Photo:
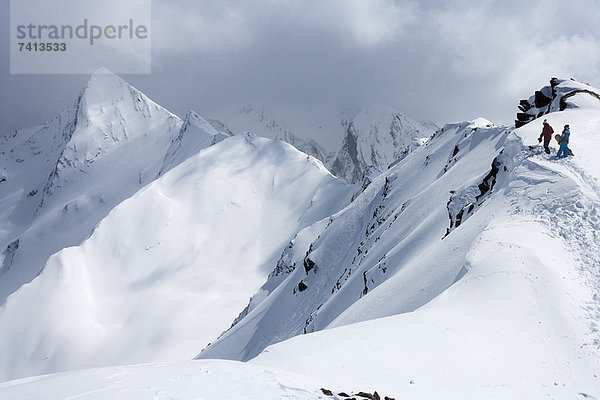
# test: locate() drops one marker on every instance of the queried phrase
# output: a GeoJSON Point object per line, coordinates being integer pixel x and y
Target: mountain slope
{"type": "Point", "coordinates": [395, 228]}
{"type": "Point", "coordinates": [521, 322]}
{"type": "Point", "coordinates": [504, 304]}
{"type": "Point", "coordinates": [168, 268]}
{"type": "Point", "coordinates": [62, 178]}
{"type": "Point", "coordinates": [472, 214]}
{"type": "Point", "coordinates": [376, 137]}
{"type": "Point", "coordinates": [185, 381]}
{"type": "Point", "coordinates": [59, 180]}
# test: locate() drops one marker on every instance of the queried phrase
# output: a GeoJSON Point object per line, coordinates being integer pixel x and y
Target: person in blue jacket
{"type": "Point", "coordinates": [564, 143]}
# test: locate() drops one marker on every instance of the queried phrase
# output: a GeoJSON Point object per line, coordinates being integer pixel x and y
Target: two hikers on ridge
{"type": "Point", "coordinates": [546, 134]}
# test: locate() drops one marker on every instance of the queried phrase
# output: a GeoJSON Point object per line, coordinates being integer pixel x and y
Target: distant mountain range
{"type": "Point", "coordinates": [371, 137]}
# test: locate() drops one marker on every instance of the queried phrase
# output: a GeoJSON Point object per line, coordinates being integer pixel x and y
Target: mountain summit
{"type": "Point", "coordinates": [62, 178]}
{"type": "Point", "coordinates": [123, 223]}
{"type": "Point", "coordinates": [375, 137]}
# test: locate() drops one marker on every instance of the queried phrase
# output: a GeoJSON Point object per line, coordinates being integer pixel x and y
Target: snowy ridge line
{"type": "Point", "coordinates": [67, 135]}
{"type": "Point", "coordinates": [330, 267]}
{"type": "Point", "coordinates": [575, 219]}
{"type": "Point", "coordinates": [519, 320]}
{"type": "Point", "coordinates": [63, 177]}
{"type": "Point", "coordinates": [168, 267]}
{"type": "Point", "coordinates": [195, 134]}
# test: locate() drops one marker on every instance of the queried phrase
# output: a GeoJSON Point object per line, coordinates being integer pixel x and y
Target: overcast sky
{"type": "Point", "coordinates": [443, 61]}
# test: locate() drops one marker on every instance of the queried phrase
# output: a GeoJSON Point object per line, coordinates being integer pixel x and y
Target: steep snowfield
{"type": "Point", "coordinates": [167, 270]}
{"type": "Point", "coordinates": [470, 269]}
{"type": "Point", "coordinates": [62, 178]}
{"type": "Point", "coordinates": [195, 134]}
{"type": "Point", "coordinates": [394, 230]}
{"type": "Point", "coordinates": [522, 319]}
{"type": "Point", "coordinates": [185, 381]}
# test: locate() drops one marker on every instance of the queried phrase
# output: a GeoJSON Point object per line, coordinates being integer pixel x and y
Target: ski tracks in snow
{"type": "Point", "coordinates": [567, 200]}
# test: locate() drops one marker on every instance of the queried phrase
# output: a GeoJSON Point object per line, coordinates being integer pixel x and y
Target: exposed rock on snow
{"type": "Point", "coordinates": [376, 137]}
{"type": "Point", "coordinates": [390, 230]}
{"type": "Point", "coordinates": [560, 95]}
{"type": "Point", "coordinates": [359, 395]}
{"type": "Point", "coordinates": [371, 138]}
{"type": "Point", "coordinates": [195, 134]}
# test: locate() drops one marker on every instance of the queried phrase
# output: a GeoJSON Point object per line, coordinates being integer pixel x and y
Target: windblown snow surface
{"type": "Point", "coordinates": [59, 180]}
{"type": "Point", "coordinates": [503, 305]}
{"type": "Point", "coordinates": [469, 270]}
{"type": "Point", "coordinates": [192, 380]}
{"type": "Point", "coordinates": [143, 269]}
{"type": "Point", "coordinates": [166, 270]}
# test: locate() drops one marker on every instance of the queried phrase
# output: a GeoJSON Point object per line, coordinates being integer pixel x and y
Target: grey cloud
{"type": "Point", "coordinates": [437, 60]}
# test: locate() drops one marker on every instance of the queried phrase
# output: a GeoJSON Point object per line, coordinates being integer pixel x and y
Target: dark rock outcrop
{"type": "Point", "coordinates": [359, 395]}
{"type": "Point", "coordinates": [554, 97]}
{"type": "Point", "coordinates": [302, 286]}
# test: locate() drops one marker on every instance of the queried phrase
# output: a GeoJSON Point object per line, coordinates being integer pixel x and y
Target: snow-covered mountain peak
{"type": "Point", "coordinates": [103, 71]}
{"type": "Point", "coordinates": [107, 97]}
{"type": "Point", "coordinates": [114, 119]}
{"type": "Point", "coordinates": [192, 118]}
{"type": "Point", "coordinates": [72, 170]}
{"type": "Point", "coordinates": [372, 113]}
{"type": "Point", "coordinates": [480, 123]}
{"type": "Point", "coordinates": [195, 134]}
{"type": "Point", "coordinates": [376, 136]}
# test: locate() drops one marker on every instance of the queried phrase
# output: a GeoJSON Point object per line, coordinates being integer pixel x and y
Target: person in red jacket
{"type": "Point", "coordinates": [547, 132]}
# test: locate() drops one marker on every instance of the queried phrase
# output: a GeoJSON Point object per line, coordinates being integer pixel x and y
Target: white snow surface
{"type": "Point", "coordinates": [167, 270]}
{"type": "Point", "coordinates": [505, 306]}
{"type": "Point", "coordinates": [62, 178]}
{"type": "Point", "coordinates": [190, 380]}
{"type": "Point", "coordinates": [470, 269]}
